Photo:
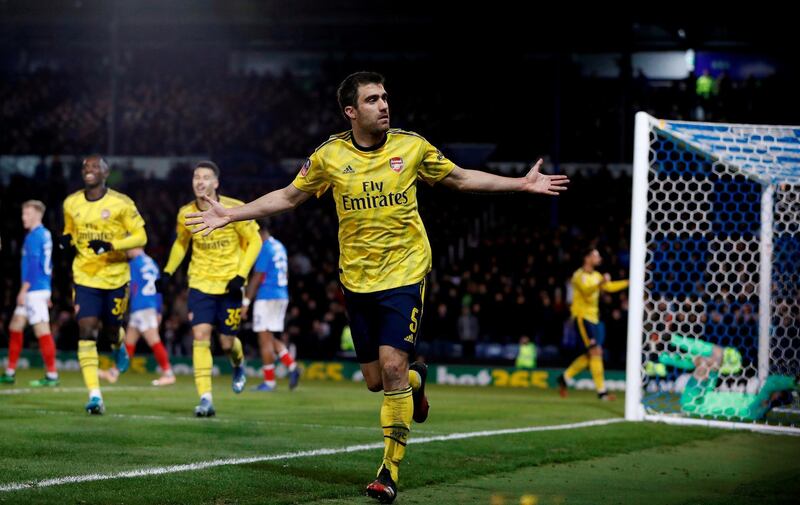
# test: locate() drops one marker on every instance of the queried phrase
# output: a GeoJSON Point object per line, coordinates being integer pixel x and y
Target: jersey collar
{"type": "Point", "coordinates": [96, 200]}
{"type": "Point", "coordinates": [370, 148]}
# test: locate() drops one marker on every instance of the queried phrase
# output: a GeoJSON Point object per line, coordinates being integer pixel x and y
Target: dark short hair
{"type": "Point", "coordinates": [210, 165]}
{"type": "Point", "coordinates": [347, 94]}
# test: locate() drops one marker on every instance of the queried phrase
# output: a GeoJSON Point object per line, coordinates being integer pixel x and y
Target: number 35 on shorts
{"type": "Point", "coordinates": [234, 318]}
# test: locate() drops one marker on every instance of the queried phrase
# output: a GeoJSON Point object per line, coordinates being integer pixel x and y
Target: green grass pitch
{"type": "Point", "coordinates": [44, 434]}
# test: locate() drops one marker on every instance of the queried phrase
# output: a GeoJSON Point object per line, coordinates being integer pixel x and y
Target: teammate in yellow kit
{"type": "Point", "coordinates": [217, 272]}
{"type": "Point", "coordinates": [385, 255]}
{"type": "Point", "coordinates": [587, 283]}
{"type": "Point", "coordinates": [100, 224]}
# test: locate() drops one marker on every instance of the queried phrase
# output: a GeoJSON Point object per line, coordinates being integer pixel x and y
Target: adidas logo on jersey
{"type": "Point", "coordinates": [348, 170]}
{"type": "Point", "coordinates": [409, 339]}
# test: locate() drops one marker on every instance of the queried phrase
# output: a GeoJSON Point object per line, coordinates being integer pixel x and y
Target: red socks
{"type": "Point", "coordinates": [269, 373]}
{"type": "Point", "coordinates": [131, 350]}
{"type": "Point", "coordinates": [162, 358]}
{"type": "Point", "coordinates": [47, 347]}
{"type": "Point", "coordinates": [287, 360]}
{"type": "Point", "coordinates": [14, 349]}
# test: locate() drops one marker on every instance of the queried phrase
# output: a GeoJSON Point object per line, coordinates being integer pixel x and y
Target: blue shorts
{"type": "Point", "coordinates": [223, 311]}
{"type": "Point", "coordinates": [390, 317]}
{"type": "Point", "coordinates": [589, 331]}
{"type": "Point", "coordinates": [108, 305]}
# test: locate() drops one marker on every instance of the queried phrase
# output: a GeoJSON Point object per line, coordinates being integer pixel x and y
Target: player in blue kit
{"type": "Point", "coordinates": [33, 300]}
{"type": "Point", "coordinates": [269, 285]}
{"type": "Point", "coordinates": [145, 315]}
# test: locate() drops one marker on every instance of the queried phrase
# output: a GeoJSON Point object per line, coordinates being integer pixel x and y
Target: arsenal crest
{"type": "Point", "coordinates": [105, 214]}
{"type": "Point", "coordinates": [396, 164]}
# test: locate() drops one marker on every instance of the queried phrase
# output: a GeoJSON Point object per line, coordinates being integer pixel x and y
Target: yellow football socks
{"type": "Point", "coordinates": [203, 365]}
{"type": "Point", "coordinates": [596, 367]}
{"type": "Point", "coordinates": [577, 366]}
{"type": "Point", "coordinates": [414, 379]}
{"type": "Point", "coordinates": [396, 413]}
{"type": "Point", "coordinates": [236, 354]}
{"type": "Point", "coordinates": [87, 357]}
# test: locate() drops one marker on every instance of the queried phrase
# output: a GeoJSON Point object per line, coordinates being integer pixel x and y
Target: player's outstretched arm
{"type": "Point", "coordinates": [613, 286]}
{"type": "Point", "coordinates": [217, 216]}
{"type": "Point", "coordinates": [534, 182]}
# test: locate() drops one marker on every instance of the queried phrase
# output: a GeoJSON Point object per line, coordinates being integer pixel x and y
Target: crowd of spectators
{"type": "Point", "coordinates": [501, 263]}
{"type": "Point", "coordinates": [190, 112]}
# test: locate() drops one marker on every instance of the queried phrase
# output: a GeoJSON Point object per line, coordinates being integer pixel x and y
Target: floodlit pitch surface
{"type": "Point", "coordinates": [321, 444]}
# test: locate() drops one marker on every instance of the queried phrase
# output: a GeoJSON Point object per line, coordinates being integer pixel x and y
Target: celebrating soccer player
{"type": "Point", "coordinates": [587, 283]}
{"type": "Point", "coordinates": [217, 272]}
{"type": "Point", "coordinates": [100, 224]}
{"type": "Point", "coordinates": [384, 250]}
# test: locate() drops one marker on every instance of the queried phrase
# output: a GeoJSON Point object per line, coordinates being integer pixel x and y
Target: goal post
{"type": "Point", "coordinates": [714, 304]}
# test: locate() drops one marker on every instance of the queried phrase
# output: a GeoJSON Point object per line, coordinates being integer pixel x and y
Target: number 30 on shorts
{"type": "Point", "coordinates": [120, 306]}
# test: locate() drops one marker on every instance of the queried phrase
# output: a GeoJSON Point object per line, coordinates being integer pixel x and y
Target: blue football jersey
{"type": "Point", "coordinates": [274, 264]}
{"type": "Point", "coordinates": [37, 259]}
{"type": "Point", "coordinates": [144, 273]}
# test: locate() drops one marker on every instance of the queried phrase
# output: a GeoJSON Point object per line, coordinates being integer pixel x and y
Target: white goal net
{"type": "Point", "coordinates": [714, 316]}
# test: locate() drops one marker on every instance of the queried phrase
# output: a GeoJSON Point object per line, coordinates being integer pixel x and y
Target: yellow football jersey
{"type": "Point", "coordinates": [113, 218]}
{"type": "Point", "coordinates": [382, 240]}
{"type": "Point", "coordinates": [586, 294]}
{"type": "Point", "coordinates": [219, 257]}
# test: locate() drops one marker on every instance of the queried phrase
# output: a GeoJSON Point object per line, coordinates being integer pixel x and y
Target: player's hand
{"type": "Point", "coordinates": [244, 312]}
{"type": "Point", "coordinates": [100, 246]}
{"type": "Point", "coordinates": [162, 283]}
{"type": "Point", "coordinates": [65, 244]}
{"type": "Point", "coordinates": [235, 286]}
{"type": "Point", "coordinates": [49, 303]}
{"type": "Point", "coordinates": [537, 182]}
{"type": "Point", "coordinates": [216, 216]}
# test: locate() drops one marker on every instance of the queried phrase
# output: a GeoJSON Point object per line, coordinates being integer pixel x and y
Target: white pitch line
{"type": "Point", "coordinates": [21, 391]}
{"type": "Point", "coordinates": [161, 470]}
{"type": "Point", "coordinates": [514, 431]}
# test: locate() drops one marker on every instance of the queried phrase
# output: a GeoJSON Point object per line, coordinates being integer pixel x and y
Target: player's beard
{"type": "Point", "coordinates": [378, 129]}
